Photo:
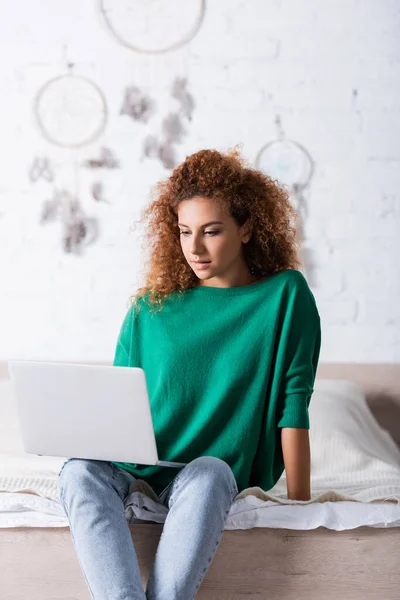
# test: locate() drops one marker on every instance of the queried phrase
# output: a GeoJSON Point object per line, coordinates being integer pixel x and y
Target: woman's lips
{"type": "Point", "coordinates": [201, 265]}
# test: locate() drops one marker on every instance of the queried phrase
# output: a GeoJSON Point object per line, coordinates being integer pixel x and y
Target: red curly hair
{"type": "Point", "coordinates": [248, 193]}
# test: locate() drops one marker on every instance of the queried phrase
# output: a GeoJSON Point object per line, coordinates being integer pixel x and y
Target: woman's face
{"type": "Point", "coordinates": [218, 243]}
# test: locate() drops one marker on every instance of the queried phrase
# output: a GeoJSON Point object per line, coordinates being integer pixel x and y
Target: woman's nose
{"type": "Point", "coordinates": [196, 248]}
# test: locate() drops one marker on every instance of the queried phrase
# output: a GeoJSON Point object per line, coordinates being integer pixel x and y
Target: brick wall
{"type": "Point", "coordinates": [331, 71]}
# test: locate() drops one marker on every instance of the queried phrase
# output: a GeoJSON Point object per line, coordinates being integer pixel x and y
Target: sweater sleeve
{"type": "Point", "coordinates": [303, 335]}
{"type": "Point", "coordinates": [123, 350]}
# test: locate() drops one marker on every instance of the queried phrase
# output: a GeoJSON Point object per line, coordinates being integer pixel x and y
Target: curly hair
{"type": "Point", "coordinates": [247, 192]}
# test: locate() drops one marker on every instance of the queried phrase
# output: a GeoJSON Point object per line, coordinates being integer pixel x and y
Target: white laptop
{"type": "Point", "coordinates": [85, 411]}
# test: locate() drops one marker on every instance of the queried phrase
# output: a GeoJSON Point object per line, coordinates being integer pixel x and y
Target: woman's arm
{"type": "Point", "coordinates": [297, 459]}
{"type": "Point", "coordinates": [123, 350]}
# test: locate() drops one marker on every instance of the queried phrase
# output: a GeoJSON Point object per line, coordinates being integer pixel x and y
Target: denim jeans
{"type": "Point", "coordinates": [199, 498]}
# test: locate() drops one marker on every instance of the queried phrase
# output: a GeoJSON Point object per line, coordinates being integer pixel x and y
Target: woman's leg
{"type": "Point", "coordinates": [199, 500]}
{"type": "Point", "coordinates": [93, 493]}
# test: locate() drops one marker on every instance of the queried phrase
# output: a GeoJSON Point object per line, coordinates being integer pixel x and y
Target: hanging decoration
{"type": "Point", "coordinates": [186, 101]}
{"type": "Point", "coordinates": [107, 160]}
{"type": "Point", "coordinates": [292, 165]}
{"type": "Point", "coordinates": [98, 192]}
{"type": "Point", "coordinates": [152, 27]}
{"type": "Point", "coordinates": [71, 112]}
{"type": "Point", "coordinates": [77, 228]}
{"type": "Point", "coordinates": [137, 105]}
{"type": "Point", "coordinates": [288, 162]}
{"type": "Point", "coordinates": [173, 128]}
{"type": "Point", "coordinates": [41, 169]}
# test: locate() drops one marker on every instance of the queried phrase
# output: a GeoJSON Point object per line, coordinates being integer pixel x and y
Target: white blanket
{"type": "Point", "coordinates": [353, 461]}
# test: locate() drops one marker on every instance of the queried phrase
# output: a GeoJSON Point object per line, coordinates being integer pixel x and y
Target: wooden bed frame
{"type": "Point", "coordinates": [264, 563]}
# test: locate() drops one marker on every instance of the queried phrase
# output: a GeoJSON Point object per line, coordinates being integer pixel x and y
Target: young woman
{"type": "Point", "coordinates": [228, 334]}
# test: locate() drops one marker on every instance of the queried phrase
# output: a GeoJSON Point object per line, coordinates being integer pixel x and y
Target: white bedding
{"type": "Point", "coordinates": [355, 474]}
{"type": "Point", "coordinates": [28, 510]}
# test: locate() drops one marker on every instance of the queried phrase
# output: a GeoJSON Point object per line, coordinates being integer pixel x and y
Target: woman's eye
{"type": "Point", "coordinates": [209, 232]}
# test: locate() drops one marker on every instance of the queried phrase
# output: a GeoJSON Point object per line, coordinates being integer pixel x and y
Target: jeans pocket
{"type": "Point", "coordinates": [122, 480]}
{"type": "Point", "coordinates": [235, 491]}
{"type": "Point", "coordinates": [164, 492]}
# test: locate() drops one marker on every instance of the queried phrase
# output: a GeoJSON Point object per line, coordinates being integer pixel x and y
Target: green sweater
{"type": "Point", "coordinates": [226, 368]}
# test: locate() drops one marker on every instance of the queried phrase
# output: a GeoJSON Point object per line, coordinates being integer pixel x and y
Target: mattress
{"type": "Point", "coordinates": [355, 474]}
{"type": "Point", "coordinates": [29, 510]}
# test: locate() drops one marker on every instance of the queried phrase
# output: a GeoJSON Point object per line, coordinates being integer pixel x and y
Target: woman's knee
{"type": "Point", "coordinates": [80, 469]}
{"type": "Point", "coordinates": [215, 469]}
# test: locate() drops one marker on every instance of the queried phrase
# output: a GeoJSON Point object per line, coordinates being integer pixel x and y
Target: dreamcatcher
{"type": "Point", "coordinates": [153, 26]}
{"type": "Point", "coordinates": [173, 127]}
{"type": "Point", "coordinates": [291, 164]}
{"type": "Point", "coordinates": [71, 112]}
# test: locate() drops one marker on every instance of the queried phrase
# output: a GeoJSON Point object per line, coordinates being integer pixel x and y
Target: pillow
{"type": "Point", "coordinates": [352, 457]}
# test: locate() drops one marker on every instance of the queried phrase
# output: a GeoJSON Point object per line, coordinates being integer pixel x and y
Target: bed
{"type": "Point", "coordinates": [344, 543]}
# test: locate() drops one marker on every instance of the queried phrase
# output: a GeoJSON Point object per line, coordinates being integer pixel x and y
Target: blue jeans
{"type": "Point", "coordinates": [199, 498]}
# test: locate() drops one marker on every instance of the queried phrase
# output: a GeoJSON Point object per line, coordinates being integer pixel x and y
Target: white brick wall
{"type": "Point", "coordinates": [249, 62]}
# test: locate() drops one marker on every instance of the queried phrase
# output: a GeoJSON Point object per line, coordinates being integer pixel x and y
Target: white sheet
{"type": "Point", "coordinates": [28, 510]}
{"type": "Point", "coordinates": [355, 474]}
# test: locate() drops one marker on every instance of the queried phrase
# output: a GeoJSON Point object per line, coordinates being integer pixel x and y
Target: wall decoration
{"type": "Point", "coordinates": [51, 208]}
{"type": "Point", "coordinates": [78, 230]}
{"type": "Point", "coordinates": [41, 169]}
{"type": "Point", "coordinates": [163, 151]}
{"type": "Point", "coordinates": [150, 147]}
{"type": "Point", "coordinates": [288, 162]}
{"type": "Point", "coordinates": [173, 129]}
{"type": "Point", "coordinates": [180, 92]}
{"type": "Point", "coordinates": [98, 192]}
{"type": "Point", "coordinates": [107, 160]}
{"type": "Point", "coordinates": [152, 27]}
{"type": "Point", "coordinates": [291, 164]}
{"type": "Point", "coordinates": [71, 112]}
{"type": "Point", "coordinates": [137, 105]}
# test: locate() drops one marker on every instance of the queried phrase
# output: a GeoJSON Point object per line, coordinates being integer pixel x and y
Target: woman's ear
{"type": "Point", "coordinates": [247, 231]}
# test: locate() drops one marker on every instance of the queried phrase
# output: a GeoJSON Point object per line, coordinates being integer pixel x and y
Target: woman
{"type": "Point", "coordinates": [228, 334]}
